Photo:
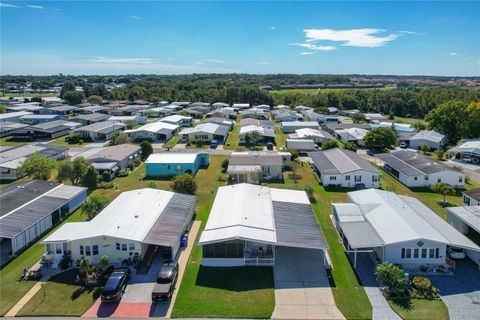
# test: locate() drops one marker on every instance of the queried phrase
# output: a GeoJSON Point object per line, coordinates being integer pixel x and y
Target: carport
{"type": "Point", "coordinates": [172, 224]}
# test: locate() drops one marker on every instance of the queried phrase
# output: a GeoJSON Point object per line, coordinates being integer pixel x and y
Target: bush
{"type": "Point", "coordinates": [351, 146]}
{"type": "Point", "coordinates": [123, 173]}
{"type": "Point", "coordinates": [329, 144]}
{"type": "Point", "coordinates": [423, 288]}
{"type": "Point", "coordinates": [310, 194]}
{"type": "Point", "coordinates": [74, 138]}
{"type": "Point", "coordinates": [137, 162]}
{"type": "Point", "coordinates": [66, 262]}
{"type": "Point", "coordinates": [131, 166]}
{"type": "Point", "coordinates": [184, 184]}
{"type": "Point", "coordinates": [225, 163]}
{"type": "Point", "coordinates": [106, 176]}
{"type": "Point", "coordinates": [105, 185]}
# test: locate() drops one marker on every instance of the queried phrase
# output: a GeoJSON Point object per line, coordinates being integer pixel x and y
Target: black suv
{"type": "Point", "coordinates": [115, 285]}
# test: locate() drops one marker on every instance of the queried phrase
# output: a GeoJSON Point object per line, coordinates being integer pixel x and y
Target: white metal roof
{"type": "Point", "coordinates": [170, 157]}
{"type": "Point", "coordinates": [13, 114]}
{"type": "Point", "coordinates": [175, 118]}
{"type": "Point", "coordinates": [429, 135]}
{"type": "Point", "coordinates": [244, 211]}
{"type": "Point", "coordinates": [154, 127]}
{"type": "Point", "coordinates": [130, 216]}
{"type": "Point", "coordinates": [469, 215]}
{"type": "Point", "coordinates": [356, 133]}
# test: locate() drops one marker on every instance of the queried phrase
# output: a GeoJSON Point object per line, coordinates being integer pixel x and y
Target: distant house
{"type": "Point", "coordinates": [248, 224]}
{"type": "Point", "coordinates": [128, 110]}
{"type": "Point", "coordinates": [284, 115]}
{"type": "Point", "coordinates": [318, 136]}
{"type": "Point", "coordinates": [136, 119]}
{"type": "Point", "coordinates": [50, 130]}
{"type": "Point", "coordinates": [113, 158]}
{"type": "Point", "coordinates": [63, 111]}
{"type": "Point", "coordinates": [94, 109]}
{"type": "Point", "coordinates": [398, 229]}
{"type": "Point", "coordinates": [30, 209]}
{"type": "Point", "coordinates": [205, 132]}
{"type": "Point", "coordinates": [99, 131]}
{"type": "Point", "coordinates": [398, 127]}
{"type": "Point", "coordinates": [135, 224]}
{"type": "Point", "coordinates": [154, 131]}
{"type": "Point", "coordinates": [355, 135]}
{"type": "Point", "coordinates": [182, 104]}
{"type": "Point", "coordinates": [471, 197]}
{"type": "Point", "coordinates": [266, 134]}
{"type": "Point", "coordinates": [218, 105]}
{"type": "Point", "coordinates": [156, 112]}
{"type": "Point", "coordinates": [417, 170]}
{"type": "Point", "coordinates": [320, 118]}
{"type": "Point", "coordinates": [468, 151]}
{"type": "Point", "coordinates": [332, 127]}
{"type": "Point", "coordinates": [430, 138]}
{"type": "Point", "coordinates": [34, 107]}
{"type": "Point", "coordinates": [348, 113]}
{"type": "Point", "coordinates": [301, 145]}
{"type": "Point", "coordinates": [38, 118]}
{"type": "Point", "coordinates": [340, 167]}
{"type": "Point", "coordinates": [241, 106]}
{"type": "Point", "coordinates": [220, 121]}
{"type": "Point", "coordinates": [291, 126]}
{"type": "Point", "coordinates": [375, 117]}
{"type": "Point", "coordinates": [254, 167]}
{"type": "Point", "coordinates": [303, 109]}
{"type": "Point", "coordinates": [227, 112]}
{"type": "Point", "coordinates": [91, 118]}
{"type": "Point", "coordinates": [12, 158]}
{"type": "Point", "coordinates": [178, 120]}
{"type": "Point", "coordinates": [169, 164]}
{"type": "Point", "coordinates": [7, 128]}
{"type": "Point", "coordinates": [255, 113]}
{"type": "Point", "coordinates": [262, 123]}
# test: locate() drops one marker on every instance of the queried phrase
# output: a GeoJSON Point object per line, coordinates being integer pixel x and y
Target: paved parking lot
{"type": "Point", "coordinates": [302, 289]}
{"type": "Point", "coordinates": [461, 292]}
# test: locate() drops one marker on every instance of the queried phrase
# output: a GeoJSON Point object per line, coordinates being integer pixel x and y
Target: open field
{"type": "Point", "coordinates": [409, 120]}
{"type": "Point", "coordinates": [60, 142]}
{"type": "Point", "coordinates": [418, 309]}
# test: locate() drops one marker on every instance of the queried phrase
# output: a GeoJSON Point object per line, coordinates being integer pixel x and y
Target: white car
{"type": "Point", "coordinates": [456, 253]}
{"type": "Point", "coordinates": [403, 145]}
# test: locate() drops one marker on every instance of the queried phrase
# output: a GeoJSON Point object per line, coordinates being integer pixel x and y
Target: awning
{"type": "Point", "coordinates": [244, 169]}
{"type": "Point", "coordinates": [361, 235]}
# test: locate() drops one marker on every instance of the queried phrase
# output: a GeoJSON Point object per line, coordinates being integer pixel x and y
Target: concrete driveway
{"type": "Point", "coordinates": [302, 289]}
{"type": "Point", "coordinates": [461, 292]}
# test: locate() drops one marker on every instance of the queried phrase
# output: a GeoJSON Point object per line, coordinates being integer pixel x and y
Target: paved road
{"type": "Point", "coordinates": [461, 292]}
{"type": "Point", "coordinates": [302, 289]}
{"type": "Point", "coordinates": [381, 310]}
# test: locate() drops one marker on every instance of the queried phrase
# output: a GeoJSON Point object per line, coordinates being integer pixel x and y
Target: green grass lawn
{"type": "Point", "coordinates": [418, 309]}
{"type": "Point", "coordinates": [349, 295]}
{"type": "Point", "coordinates": [289, 91]}
{"type": "Point", "coordinates": [61, 296]}
{"type": "Point", "coordinates": [280, 138]}
{"type": "Point", "coordinates": [221, 292]}
{"type": "Point", "coordinates": [27, 95]}
{"type": "Point", "coordinates": [5, 142]}
{"type": "Point", "coordinates": [172, 142]}
{"type": "Point", "coordinates": [60, 142]}
{"type": "Point", "coordinates": [409, 120]}
{"type": "Point", "coordinates": [233, 139]}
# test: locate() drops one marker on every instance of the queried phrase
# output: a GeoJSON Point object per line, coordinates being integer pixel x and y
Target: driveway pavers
{"type": "Point", "coordinates": [302, 289]}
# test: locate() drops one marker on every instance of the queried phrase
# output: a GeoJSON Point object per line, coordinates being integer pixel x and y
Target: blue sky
{"type": "Point", "coordinates": [117, 37]}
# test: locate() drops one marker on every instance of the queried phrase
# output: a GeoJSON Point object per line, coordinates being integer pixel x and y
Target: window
{"type": "Point", "coordinates": [437, 252]}
{"type": "Point", "coordinates": [179, 168]}
{"type": "Point", "coordinates": [466, 200]}
{"type": "Point", "coordinates": [415, 178]}
{"type": "Point", "coordinates": [58, 248]}
{"type": "Point", "coordinates": [347, 178]}
{"type": "Point", "coordinates": [333, 178]}
{"type": "Point", "coordinates": [460, 179]}
{"type": "Point", "coordinates": [131, 246]}
{"type": "Point", "coordinates": [431, 253]}
{"type": "Point", "coordinates": [49, 248]}
{"type": "Point", "coordinates": [409, 253]}
{"type": "Point", "coordinates": [88, 252]}
{"type": "Point", "coordinates": [81, 251]}
{"type": "Point", "coordinates": [439, 180]}
{"type": "Point", "coordinates": [124, 247]}
{"type": "Point", "coordinates": [426, 178]}
{"type": "Point", "coordinates": [415, 253]}
{"type": "Point", "coordinates": [95, 249]}
{"type": "Point", "coordinates": [424, 253]}
{"type": "Point", "coordinates": [374, 178]}
{"type": "Point", "coordinates": [403, 253]}
{"type": "Point", "coordinates": [117, 245]}
{"type": "Point", "coordinates": [358, 178]}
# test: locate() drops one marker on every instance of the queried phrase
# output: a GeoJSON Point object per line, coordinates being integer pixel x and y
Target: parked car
{"type": "Point", "coordinates": [116, 284]}
{"type": "Point", "coordinates": [403, 144]}
{"type": "Point", "coordinates": [370, 153]}
{"type": "Point", "coordinates": [166, 279]}
{"type": "Point", "coordinates": [214, 144]}
{"type": "Point", "coordinates": [456, 253]}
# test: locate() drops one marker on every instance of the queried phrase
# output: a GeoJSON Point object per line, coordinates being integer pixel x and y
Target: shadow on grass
{"type": "Point", "coordinates": [236, 278]}
{"type": "Point", "coordinates": [405, 304]}
{"type": "Point", "coordinates": [69, 277]}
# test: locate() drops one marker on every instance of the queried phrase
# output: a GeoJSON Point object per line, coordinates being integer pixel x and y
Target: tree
{"type": "Point", "coordinates": [351, 146]}
{"type": "Point", "coordinates": [68, 86]}
{"type": "Point", "coordinates": [73, 170]}
{"type": "Point", "coordinates": [2, 108]}
{"type": "Point", "coordinates": [225, 164]}
{"type": "Point", "coordinates": [129, 124]}
{"type": "Point", "coordinates": [37, 167]}
{"type": "Point", "coordinates": [84, 267]}
{"type": "Point", "coordinates": [74, 97]}
{"type": "Point", "coordinates": [391, 277]}
{"type": "Point", "coordinates": [450, 118]}
{"type": "Point", "coordinates": [358, 117]}
{"type": "Point", "coordinates": [92, 206]}
{"type": "Point", "coordinates": [419, 126]}
{"type": "Point", "coordinates": [380, 139]}
{"type": "Point", "coordinates": [443, 189]}
{"type": "Point", "coordinates": [119, 138]}
{"type": "Point", "coordinates": [65, 170]}
{"type": "Point", "coordinates": [473, 110]}
{"type": "Point", "coordinates": [424, 148]}
{"type": "Point", "coordinates": [253, 137]}
{"type": "Point", "coordinates": [329, 144]}
{"type": "Point", "coordinates": [90, 178]}
{"type": "Point", "coordinates": [146, 148]}
{"type": "Point", "coordinates": [184, 184]}
{"type": "Point", "coordinates": [440, 154]}
{"type": "Point", "coordinates": [105, 262]}
{"type": "Point", "coordinates": [152, 185]}
{"type": "Point", "coordinates": [95, 99]}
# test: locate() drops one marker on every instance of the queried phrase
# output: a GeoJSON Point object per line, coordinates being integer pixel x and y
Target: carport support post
{"type": "Point", "coordinates": [355, 258]}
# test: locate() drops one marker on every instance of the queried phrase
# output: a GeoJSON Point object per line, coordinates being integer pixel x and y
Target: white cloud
{"type": "Point", "coordinates": [215, 61]}
{"type": "Point", "coordinates": [264, 63]}
{"type": "Point", "coordinates": [353, 37]}
{"type": "Point", "coordinates": [306, 53]}
{"type": "Point", "coordinates": [34, 6]}
{"type": "Point", "coordinates": [136, 17]}
{"type": "Point", "coordinates": [315, 47]}
{"type": "Point", "coordinates": [7, 5]}
{"type": "Point", "coordinates": [454, 54]}
{"type": "Point", "coordinates": [272, 27]}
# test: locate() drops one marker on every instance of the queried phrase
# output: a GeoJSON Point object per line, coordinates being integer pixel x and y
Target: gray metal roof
{"type": "Point", "coordinates": [296, 226]}
{"type": "Point", "coordinates": [256, 159]}
{"type": "Point", "coordinates": [63, 108]}
{"type": "Point", "coordinates": [337, 161]}
{"type": "Point", "coordinates": [469, 215]}
{"type": "Point", "coordinates": [474, 194]}
{"type": "Point", "coordinates": [360, 234]}
{"type": "Point", "coordinates": [336, 126]}
{"type": "Point", "coordinates": [23, 205]}
{"type": "Point", "coordinates": [412, 163]}
{"type": "Point", "coordinates": [102, 127]}
{"type": "Point", "coordinates": [166, 231]}
{"type": "Point", "coordinates": [55, 126]}
{"type": "Point", "coordinates": [93, 117]}
{"type": "Point", "coordinates": [429, 135]}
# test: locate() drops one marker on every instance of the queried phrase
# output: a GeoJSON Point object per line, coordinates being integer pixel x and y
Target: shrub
{"type": "Point", "coordinates": [225, 163]}
{"type": "Point", "coordinates": [184, 184]}
{"type": "Point", "coordinates": [106, 176]}
{"type": "Point", "coordinates": [423, 288]}
{"type": "Point", "coordinates": [74, 138]}
{"type": "Point", "coordinates": [105, 185]}
{"type": "Point", "coordinates": [137, 162]}
{"type": "Point", "coordinates": [351, 146]}
{"type": "Point", "coordinates": [309, 190]}
{"type": "Point", "coordinates": [122, 173]}
{"type": "Point", "coordinates": [66, 262]}
{"type": "Point", "coordinates": [329, 144]}
{"type": "Point", "coordinates": [131, 166]}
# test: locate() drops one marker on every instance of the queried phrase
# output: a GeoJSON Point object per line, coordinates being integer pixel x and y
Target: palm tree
{"type": "Point", "coordinates": [104, 262]}
{"type": "Point", "coordinates": [391, 276]}
{"type": "Point", "coordinates": [84, 267]}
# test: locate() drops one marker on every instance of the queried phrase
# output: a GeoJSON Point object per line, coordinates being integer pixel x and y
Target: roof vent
{"type": "Point", "coordinates": [118, 227]}
{"type": "Point", "coordinates": [136, 216]}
